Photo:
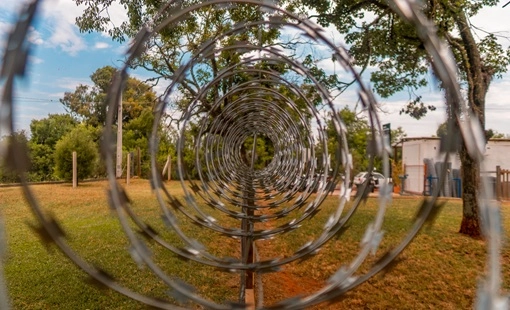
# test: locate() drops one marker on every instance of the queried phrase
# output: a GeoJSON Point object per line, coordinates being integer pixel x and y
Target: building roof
{"type": "Point", "coordinates": [407, 139]}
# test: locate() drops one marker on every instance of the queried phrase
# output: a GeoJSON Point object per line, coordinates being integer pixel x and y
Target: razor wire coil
{"type": "Point", "coordinates": [290, 187]}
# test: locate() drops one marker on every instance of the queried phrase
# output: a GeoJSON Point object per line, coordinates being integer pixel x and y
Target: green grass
{"type": "Point", "coordinates": [38, 278]}
{"type": "Point", "coordinates": [439, 270]}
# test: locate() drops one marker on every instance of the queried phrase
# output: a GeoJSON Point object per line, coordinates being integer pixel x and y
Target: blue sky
{"type": "Point", "coordinates": [63, 58]}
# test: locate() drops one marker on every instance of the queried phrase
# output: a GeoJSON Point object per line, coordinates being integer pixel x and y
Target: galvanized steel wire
{"type": "Point", "coordinates": [291, 186]}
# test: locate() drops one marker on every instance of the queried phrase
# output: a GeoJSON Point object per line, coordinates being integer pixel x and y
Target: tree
{"type": "Point", "coordinates": [138, 99]}
{"type": "Point", "coordinates": [44, 136]}
{"type": "Point", "coordinates": [493, 134]}
{"type": "Point", "coordinates": [170, 47]}
{"type": "Point", "coordinates": [397, 135]}
{"type": "Point", "coordinates": [358, 133]}
{"type": "Point", "coordinates": [177, 43]}
{"type": "Point", "coordinates": [87, 103]}
{"type": "Point", "coordinates": [442, 131]}
{"type": "Point", "coordinates": [136, 134]}
{"type": "Point", "coordinates": [78, 140]}
{"type": "Point", "coordinates": [385, 41]}
{"type": "Point", "coordinates": [264, 151]}
{"type": "Point", "coordinates": [18, 148]}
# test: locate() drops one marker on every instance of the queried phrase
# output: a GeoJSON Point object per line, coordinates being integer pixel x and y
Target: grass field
{"type": "Point", "coordinates": [440, 270]}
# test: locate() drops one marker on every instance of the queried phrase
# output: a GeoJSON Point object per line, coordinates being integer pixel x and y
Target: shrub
{"type": "Point", "coordinates": [79, 140]}
{"type": "Point", "coordinates": [396, 171]}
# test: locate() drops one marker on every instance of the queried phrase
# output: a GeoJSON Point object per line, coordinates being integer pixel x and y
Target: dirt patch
{"type": "Point", "coordinates": [282, 285]}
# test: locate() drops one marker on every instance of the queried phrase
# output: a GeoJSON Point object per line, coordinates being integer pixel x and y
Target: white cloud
{"type": "Point", "coordinates": [493, 19]}
{"type": "Point", "coordinates": [101, 45]}
{"type": "Point", "coordinates": [51, 82]}
{"type": "Point", "coordinates": [27, 112]}
{"type": "Point", "coordinates": [117, 14]}
{"type": "Point", "coordinates": [10, 5]}
{"type": "Point", "coordinates": [497, 109]}
{"type": "Point", "coordinates": [61, 16]}
{"type": "Point", "coordinates": [4, 28]}
{"type": "Point", "coordinates": [68, 83]}
{"type": "Point", "coordinates": [65, 37]}
{"type": "Point", "coordinates": [499, 91]}
{"type": "Point", "coordinates": [34, 37]}
{"type": "Point", "coordinates": [35, 60]}
{"type": "Point", "coordinates": [58, 18]}
{"type": "Point", "coordinates": [65, 11]}
{"type": "Point", "coordinates": [55, 17]}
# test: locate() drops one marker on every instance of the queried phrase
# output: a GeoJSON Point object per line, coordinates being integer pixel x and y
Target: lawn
{"type": "Point", "coordinates": [439, 270]}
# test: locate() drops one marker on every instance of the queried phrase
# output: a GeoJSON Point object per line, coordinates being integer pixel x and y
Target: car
{"type": "Point", "coordinates": [376, 179]}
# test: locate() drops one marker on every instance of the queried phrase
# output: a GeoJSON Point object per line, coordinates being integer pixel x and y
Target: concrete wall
{"type": "Point", "coordinates": [497, 153]}
{"type": "Point", "coordinates": [415, 150]}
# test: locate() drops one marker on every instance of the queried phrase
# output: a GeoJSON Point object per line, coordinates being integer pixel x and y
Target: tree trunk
{"type": "Point", "coordinates": [478, 83]}
{"type": "Point", "coordinates": [470, 175]}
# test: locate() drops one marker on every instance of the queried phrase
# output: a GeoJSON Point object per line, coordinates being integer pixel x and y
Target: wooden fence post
{"type": "Point", "coordinates": [498, 183]}
{"type": "Point", "coordinates": [128, 169]}
{"type": "Point", "coordinates": [167, 168]}
{"type": "Point", "coordinates": [169, 172]}
{"type": "Point", "coordinates": [139, 162]}
{"type": "Point", "coordinates": [75, 169]}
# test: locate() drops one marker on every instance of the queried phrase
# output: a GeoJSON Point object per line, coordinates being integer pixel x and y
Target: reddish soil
{"type": "Point", "coordinates": [284, 284]}
{"type": "Point", "coordinates": [278, 286]}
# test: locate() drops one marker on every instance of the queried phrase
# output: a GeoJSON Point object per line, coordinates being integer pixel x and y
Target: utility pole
{"type": "Point", "coordinates": [118, 171]}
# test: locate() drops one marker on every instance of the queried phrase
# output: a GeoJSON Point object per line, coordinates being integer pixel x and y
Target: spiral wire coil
{"type": "Point", "coordinates": [291, 187]}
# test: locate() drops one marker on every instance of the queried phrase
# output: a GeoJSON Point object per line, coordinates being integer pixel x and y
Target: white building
{"type": "Point", "coordinates": [417, 152]}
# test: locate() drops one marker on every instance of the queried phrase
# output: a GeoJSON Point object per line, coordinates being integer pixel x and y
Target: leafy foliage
{"type": "Point", "coordinates": [136, 135]}
{"type": "Point", "coordinates": [442, 130]}
{"type": "Point", "coordinates": [397, 135]}
{"type": "Point", "coordinates": [176, 43]}
{"type": "Point", "coordinates": [87, 103]}
{"type": "Point", "coordinates": [44, 136]}
{"type": "Point", "coordinates": [80, 141]}
{"type": "Point", "coordinates": [358, 133]}
{"type": "Point", "coordinates": [20, 140]}
{"type": "Point", "coordinates": [49, 130]}
{"type": "Point", "coordinates": [138, 99]}
{"type": "Point", "coordinates": [264, 152]}
{"type": "Point", "coordinates": [179, 42]}
{"type": "Point", "coordinates": [416, 108]}
{"type": "Point", "coordinates": [379, 38]}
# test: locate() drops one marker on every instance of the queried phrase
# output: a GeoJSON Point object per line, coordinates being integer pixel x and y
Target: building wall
{"type": "Point", "coordinates": [497, 153]}
{"type": "Point", "coordinates": [415, 150]}
{"type": "Point", "coordinates": [412, 159]}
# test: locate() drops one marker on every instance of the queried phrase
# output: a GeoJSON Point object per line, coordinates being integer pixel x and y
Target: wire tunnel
{"type": "Point", "coordinates": [258, 133]}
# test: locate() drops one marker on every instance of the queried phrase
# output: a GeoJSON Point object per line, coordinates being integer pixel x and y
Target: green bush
{"type": "Point", "coordinates": [42, 160]}
{"type": "Point", "coordinates": [17, 143]}
{"type": "Point", "coordinates": [80, 140]}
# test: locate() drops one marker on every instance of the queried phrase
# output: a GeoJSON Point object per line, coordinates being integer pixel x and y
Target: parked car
{"type": "Point", "coordinates": [376, 179]}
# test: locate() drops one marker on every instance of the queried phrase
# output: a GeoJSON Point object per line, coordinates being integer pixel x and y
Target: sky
{"type": "Point", "coordinates": [63, 58]}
